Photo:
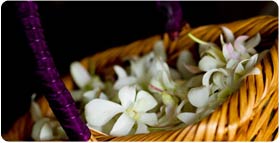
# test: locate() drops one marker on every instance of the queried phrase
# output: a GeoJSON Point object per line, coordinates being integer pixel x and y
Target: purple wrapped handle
{"type": "Point", "coordinates": [59, 98]}
{"type": "Point", "coordinates": [173, 11]}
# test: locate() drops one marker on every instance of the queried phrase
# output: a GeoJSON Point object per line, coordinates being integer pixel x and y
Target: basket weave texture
{"type": "Point", "coordinates": [250, 114]}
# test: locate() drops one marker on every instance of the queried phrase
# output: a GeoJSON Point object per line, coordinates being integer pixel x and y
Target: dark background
{"type": "Point", "coordinates": [74, 30]}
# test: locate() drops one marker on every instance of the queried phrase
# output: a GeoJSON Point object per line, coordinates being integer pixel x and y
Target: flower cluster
{"type": "Point", "coordinates": [149, 95]}
{"type": "Point", "coordinates": [45, 128]}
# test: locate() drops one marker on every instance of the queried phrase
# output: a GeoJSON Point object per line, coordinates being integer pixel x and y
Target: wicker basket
{"type": "Point", "coordinates": [250, 114]}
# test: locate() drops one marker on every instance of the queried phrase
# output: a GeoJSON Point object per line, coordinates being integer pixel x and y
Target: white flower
{"type": "Point", "coordinates": [211, 56]}
{"type": "Point", "coordinates": [236, 50]}
{"type": "Point", "coordinates": [220, 77]}
{"type": "Point", "coordinates": [240, 43]}
{"type": "Point", "coordinates": [198, 96]}
{"type": "Point", "coordinates": [92, 94]}
{"type": "Point", "coordinates": [44, 128]}
{"type": "Point", "coordinates": [246, 68]}
{"type": "Point", "coordinates": [133, 107]}
{"type": "Point", "coordinates": [82, 77]}
{"type": "Point", "coordinates": [143, 69]}
{"type": "Point", "coordinates": [233, 50]}
{"type": "Point", "coordinates": [123, 78]}
{"type": "Point", "coordinates": [201, 98]}
{"type": "Point", "coordinates": [161, 77]}
{"type": "Point", "coordinates": [80, 74]}
{"type": "Point", "coordinates": [35, 110]}
{"type": "Point", "coordinates": [186, 117]}
{"type": "Point", "coordinates": [86, 96]}
{"type": "Point", "coordinates": [168, 110]}
{"type": "Point", "coordinates": [159, 50]}
{"type": "Point", "coordinates": [138, 76]}
{"type": "Point", "coordinates": [207, 63]}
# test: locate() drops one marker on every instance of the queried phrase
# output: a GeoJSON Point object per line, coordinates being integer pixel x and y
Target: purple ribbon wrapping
{"type": "Point", "coordinates": [59, 98]}
{"type": "Point", "coordinates": [173, 11]}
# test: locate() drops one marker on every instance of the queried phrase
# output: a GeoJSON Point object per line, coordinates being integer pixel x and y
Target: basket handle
{"type": "Point", "coordinates": [59, 98]}
{"type": "Point", "coordinates": [173, 11]}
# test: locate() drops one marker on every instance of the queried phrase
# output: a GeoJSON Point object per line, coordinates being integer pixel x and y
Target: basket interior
{"type": "Point", "coordinates": [266, 26]}
{"type": "Point", "coordinates": [236, 119]}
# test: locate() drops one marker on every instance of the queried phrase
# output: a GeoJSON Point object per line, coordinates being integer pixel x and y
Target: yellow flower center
{"type": "Point", "coordinates": [132, 113]}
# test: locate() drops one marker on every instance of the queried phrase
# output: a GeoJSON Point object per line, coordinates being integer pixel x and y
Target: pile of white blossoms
{"type": "Point", "coordinates": [149, 95]}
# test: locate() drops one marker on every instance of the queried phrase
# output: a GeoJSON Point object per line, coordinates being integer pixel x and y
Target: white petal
{"type": "Point", "coordinates": [229, 52]}
{"type": "Point", "coordinates": [97, 83]}
{"type": "Point", "coordinates": [158, 65]}
{"type": "Point", "coordinates": [35, 110]}
{"type": "Point", "coordinates": [252, 62]}
{"type": "Point", "coordinates": [186, 117]}
{"type": "Point", "coordinates": [98, 111]}
{"type": "Point", "coordinates": [251, 51]}
{"type": "Point", "coordinates": [42, 130]}
{"type": "Point", "coordinates": [185, 58]}
{"type": "Point", "coordinates": [222, 39]}
{"type": "Point", "coordinates": [239, 44]}
{"type": "Point", "coordinates": [207, 63]}
{"type": "Point", "coordinates": [170, 110]}
{"type": "Point", "coordinates": [138, 67]}
{"type": "Point", "coordinates": [120, 71]}
{"type": "Point", "coordinates": [147, 60]}
{"type": "Point", "coordinates": [103, 96]}
{"type": "Point", "coordinates": [127, 95]}
{"type": "Point", "coordinates": [46, 132]}
{"type": "Point", "coordinates": [179, 108]}
{"type": "Point", "coordinates": [148, 118]}
{"type": "Point", "coordinates": [123, 126]}
{"type": "Point", "coordinates": [167, 81]}
{"type": "Point", "coordinates": [216, 53]}
{"type": "Point", "coordinates": [35, 134]}
{"type": "Point", "coordinates": [120, 83]}
{"type": "Point", "coordinates": [207, 76]}
{"type": "Point", "coordinates": [240, 67]}
{"type": "Point", "coordinates": [80, 74]}
{"type": "Point", "coordinates": [218, 79]}
{"type": "Point", "coordinates": [91, 94]}
{"type": "Point", "coordinates": [198, 96]}
{"type": "Point", "coordinates": [155, 86]}
{"type": "Point", "coordinates": [228, 34]}
{"type": "Point", "coordinates": [77, 94]}
{"type": "Point", "coordinates": [159, 50]}
{"type": "Point", "coordinates": [252, 43]}
{"type": "Point", "coordinates": [144, 102]}
{"type": "Point", "coordinates": [254, 71]}
{"type": "Point", "coordinates": [232, 63]}
{"type": "Point", "coordinates": [141, 129]}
